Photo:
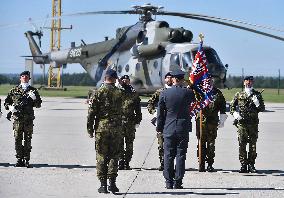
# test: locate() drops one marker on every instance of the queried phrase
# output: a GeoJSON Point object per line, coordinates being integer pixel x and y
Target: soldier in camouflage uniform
{"type": "Point", "coordinates": [131, 119]}
{"type": "Point", "coordinates": [249, 103]}
{"type": "Point", "coordinates": [105, 120]}
{"type": "Point", "coordinates": [0, 109]}
{"type": "Point", "coordinates": [20, 102]}
{"type": "Point", "coordinates": [210, 124]}
{"type": "Point", "coordinates": [152, 103]}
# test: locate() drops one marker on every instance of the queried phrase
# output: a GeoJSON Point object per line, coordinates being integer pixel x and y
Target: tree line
{"type": "Point", "coordinates": [83, 79]}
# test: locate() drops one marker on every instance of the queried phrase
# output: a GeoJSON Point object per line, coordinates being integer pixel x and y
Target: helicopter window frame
{"type": "Point", "coordinates": [210, 54]}
{"type": "Point", "coordinates": [138, 66]}
{"type": "Point", "coordinates": [119, 68]}
{"type": "Point", "coordinates": [155, 64]}
{"type": "Point", "coordinates": [186, 59]}
{"type": "Point", "coordinates": [175, 61]}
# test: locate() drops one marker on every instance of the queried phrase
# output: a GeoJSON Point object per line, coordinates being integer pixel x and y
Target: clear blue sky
{"type": "Point", "coordinates": [258, 55]}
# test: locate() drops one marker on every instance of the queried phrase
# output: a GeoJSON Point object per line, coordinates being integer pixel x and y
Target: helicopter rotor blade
{"type": "Point", "coordinates": [232, 20]}
{"type": "Point", "coordinates": [212, 20]}
{"type": "Point", "coordinates": [101, 12]}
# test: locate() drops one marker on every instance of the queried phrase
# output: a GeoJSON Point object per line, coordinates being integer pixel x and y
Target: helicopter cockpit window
{"type": "Point", "coordinates": [211, 55]}
{"type": "Point", "coordinates": [127, 68]}
{"type": "Point", "coordinates": [174, 62]}
{"type": "Point", "coordinates": [186, 60]}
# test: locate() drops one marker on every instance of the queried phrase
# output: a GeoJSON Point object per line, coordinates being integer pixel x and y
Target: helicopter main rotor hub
{"type": "Point", "coordinates": [146, 11]}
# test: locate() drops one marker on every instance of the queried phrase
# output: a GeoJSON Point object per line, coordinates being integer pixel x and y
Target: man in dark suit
{"type": "Point", "coordinates": [173, 119]}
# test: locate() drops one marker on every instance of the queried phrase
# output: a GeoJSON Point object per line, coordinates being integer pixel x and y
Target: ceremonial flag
{"type": "Point", "coordinates": [201, 81]}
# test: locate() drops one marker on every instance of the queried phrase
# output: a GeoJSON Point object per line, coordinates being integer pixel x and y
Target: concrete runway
{"type": "Point", "coordinates": [64, 161]}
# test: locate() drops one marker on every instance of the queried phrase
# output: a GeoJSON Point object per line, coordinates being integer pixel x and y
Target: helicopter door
{"type": "Point", "coordinates": [171, 62]}
{"type": "Point", "coordinates": [155, 68]}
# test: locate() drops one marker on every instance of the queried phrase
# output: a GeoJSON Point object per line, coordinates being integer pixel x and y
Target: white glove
{"type": "Point", "coordinates": [223, 118]}
{"type": "Point", "coordinates": [137, 125]}
{"type": "Point", "coordinates": [12, 108]}
{"type": "Point", "coordinates": [255, 101]}
{"type": "Point", "coordinates": [237, 115]}
{"type": "Point", "coordinates": [32, 95]}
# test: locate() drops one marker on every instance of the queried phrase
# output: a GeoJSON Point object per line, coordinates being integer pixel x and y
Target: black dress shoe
{"type": "Point", "coordinates": [178, 186]}
{"type": "Point", "coordinates": [169, 186]}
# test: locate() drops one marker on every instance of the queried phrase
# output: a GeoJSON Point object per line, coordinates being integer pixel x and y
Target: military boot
{"type": "Point", "coordinates": [251, 168]}
{"type": "Point", "coordinates": [121, 165]}
{"type": "Point", "coordinates": [112, 185]}
{"type": "Point", "coordinates": [126, 166]}
{"type": "Point", "coordinates": [20, 163]}
{"type": "Point", "coordinates": [210, 168]}
{"type": "Point", "coordinates": [243, 169]}
{"type": "Point", "coordinates": [27, 163]}
{"type": "Point", "coordinates": [103, 188]}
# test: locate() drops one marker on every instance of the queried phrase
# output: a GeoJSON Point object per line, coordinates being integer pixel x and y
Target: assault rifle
{"type": "Point", "coordinates": [247, 110]}
{"type": "Point", "coordinates": [154, 119]}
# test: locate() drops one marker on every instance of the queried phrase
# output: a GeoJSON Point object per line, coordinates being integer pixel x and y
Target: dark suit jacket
{"type": "Point", "coordinates": [173, 111]}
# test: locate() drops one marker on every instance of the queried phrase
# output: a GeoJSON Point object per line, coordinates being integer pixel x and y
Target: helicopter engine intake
{"type": "Point", "coordinates": [147, 51]}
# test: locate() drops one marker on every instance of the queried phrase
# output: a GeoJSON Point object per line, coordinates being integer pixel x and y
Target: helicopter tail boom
{"type": "Point", "coordinates": [37, 55]}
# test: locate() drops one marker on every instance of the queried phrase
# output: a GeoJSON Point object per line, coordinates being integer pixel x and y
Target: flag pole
{"type": "Point", "coordinates": [200, 153]}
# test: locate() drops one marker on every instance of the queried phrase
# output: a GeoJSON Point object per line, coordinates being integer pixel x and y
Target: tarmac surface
{"type": "Point", "coordinates": [64, 161]}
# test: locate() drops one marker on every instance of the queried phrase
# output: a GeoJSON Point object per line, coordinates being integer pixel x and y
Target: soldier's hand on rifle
{"type": "Point", "coordinates": [12, 109]}
{"type": "Point", "coordinates": [255, 101]}
{"type": "Point", "coordinates": [32, 95]}
{"type": "Point", "coordinates": [237, 115]}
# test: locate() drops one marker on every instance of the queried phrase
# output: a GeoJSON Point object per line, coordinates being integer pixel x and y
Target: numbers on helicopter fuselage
{"type": "Point", "coordinates": [75, 52]}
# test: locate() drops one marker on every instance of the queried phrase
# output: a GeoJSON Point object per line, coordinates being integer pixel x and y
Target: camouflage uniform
{"type": "Point", "coordinates": [131, 116]}
{"type": "Point", "coordinates": [248, 125]}
{"type": "Point", "coordinates": [0, 109]}
{"type": "Point", "coordinates": [105, 119]}
{"type": "Point", "coordinates": [152, 103]}
{"type": "Point", "coordinates": [210, 121]}
{"type": "Point", "coordinates": [23, 118]}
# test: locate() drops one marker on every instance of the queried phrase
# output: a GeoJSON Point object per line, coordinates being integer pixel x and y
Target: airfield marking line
{"type": "Point", "coordinates": [140, 168]}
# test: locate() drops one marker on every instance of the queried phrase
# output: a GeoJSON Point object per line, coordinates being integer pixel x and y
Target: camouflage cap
{"type": "Point", "coordinates": [25, 73]}
{"type": "Point", "coordinates": [111, 73]}
{"type": "Point", "coordinates": [248, 78]}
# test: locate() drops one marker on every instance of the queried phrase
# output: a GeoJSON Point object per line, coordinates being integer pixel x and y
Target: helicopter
{"type": "Point", "coordinates": [145, 51]}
